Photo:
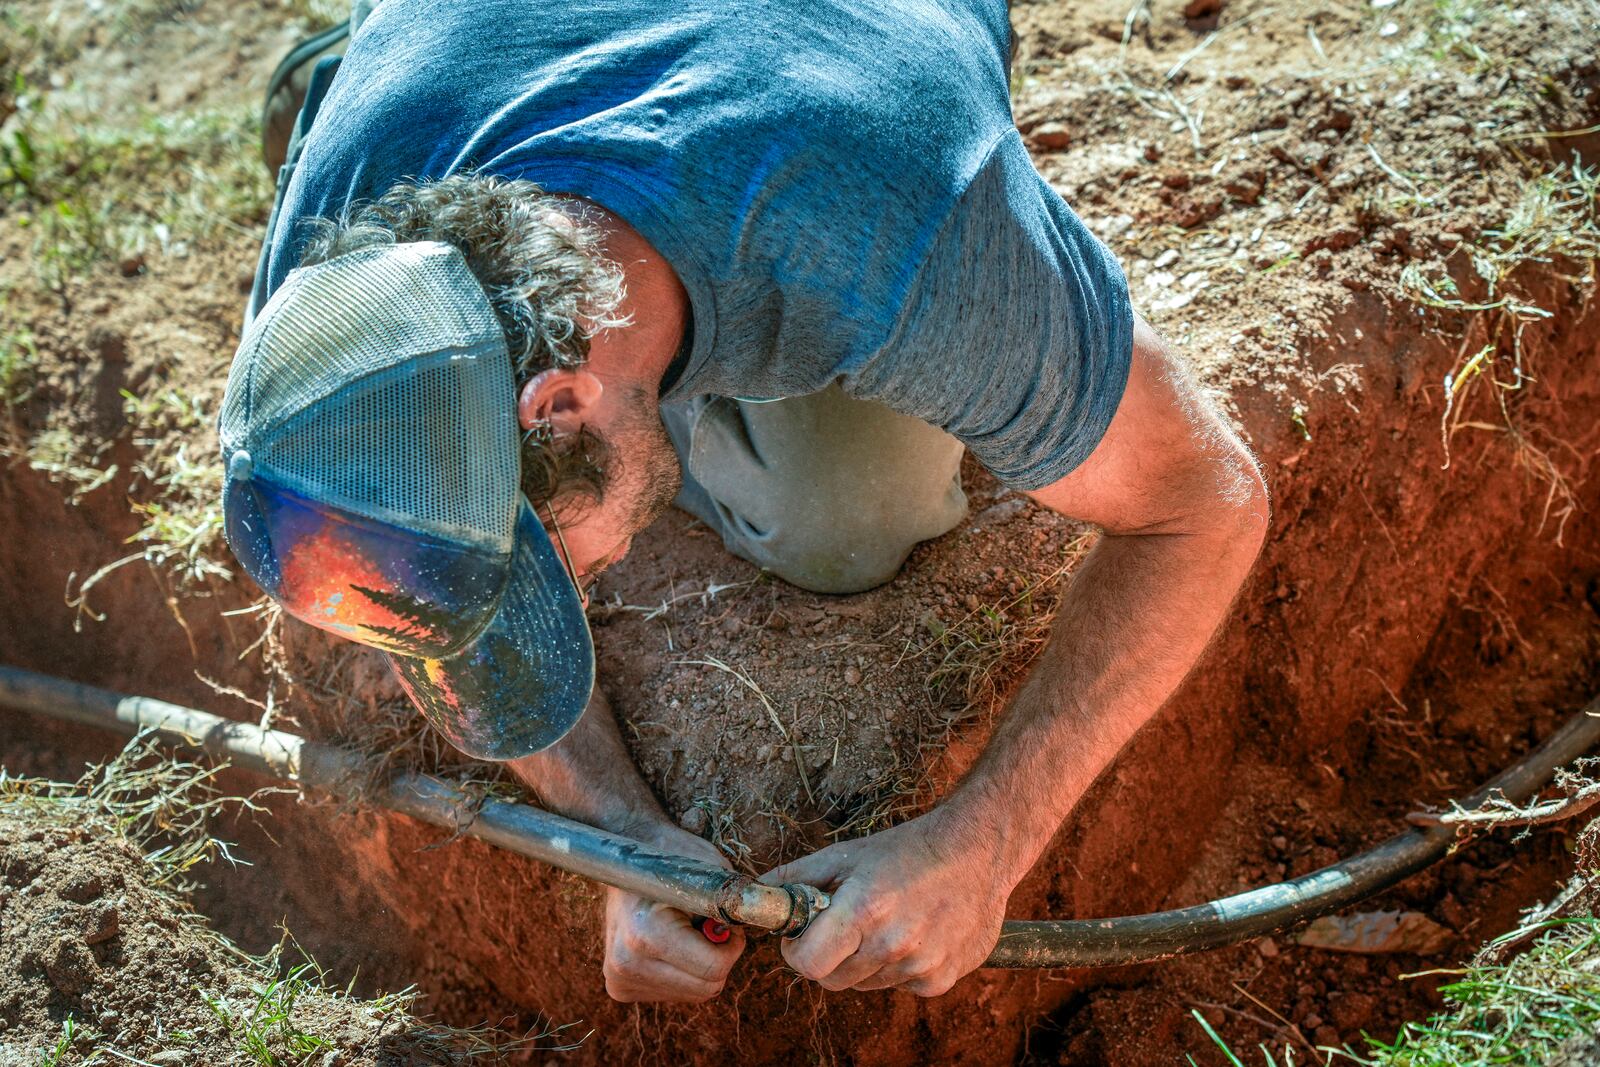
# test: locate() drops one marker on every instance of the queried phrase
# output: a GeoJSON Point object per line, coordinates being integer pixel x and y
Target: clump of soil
{"type": "Point", "coordinates": [101, 950]}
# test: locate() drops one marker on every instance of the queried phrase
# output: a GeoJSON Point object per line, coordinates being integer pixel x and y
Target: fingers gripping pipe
{"type": "Point", "coordinates": [701, 889]}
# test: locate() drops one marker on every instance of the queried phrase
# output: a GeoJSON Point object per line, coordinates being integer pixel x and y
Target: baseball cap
{"type": "Point", "coordinates": [370, 438]}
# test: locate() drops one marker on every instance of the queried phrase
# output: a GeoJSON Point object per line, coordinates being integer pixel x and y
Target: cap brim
{"type": "Point", "coordinates": [523, 682]}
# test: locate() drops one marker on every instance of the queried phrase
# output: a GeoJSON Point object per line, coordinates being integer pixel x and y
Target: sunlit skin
{"type": "Point", "coordinates": [1183, 510]}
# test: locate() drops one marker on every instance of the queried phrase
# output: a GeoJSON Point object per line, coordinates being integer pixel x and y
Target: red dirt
{"type": "Point", "coordinates": [100, 938]}
{"type": "Point", "coordinates": [1408, 631]}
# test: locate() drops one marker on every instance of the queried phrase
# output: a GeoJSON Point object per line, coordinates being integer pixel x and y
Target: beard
{"type": "Point", "coordinates": [645, 471]}
{"type": "Point", "coordinates": [630, 474]}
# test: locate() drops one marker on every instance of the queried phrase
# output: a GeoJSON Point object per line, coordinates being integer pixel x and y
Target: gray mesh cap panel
{"type": "Point", "coordinates": [379, 381]}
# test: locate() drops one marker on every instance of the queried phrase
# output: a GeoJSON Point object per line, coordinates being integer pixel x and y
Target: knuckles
{"type": "Point", "coordinates": [896, 945]}
{"type": "Point", "coordinates": [631, 942]}
{"type": "Point", "coordinates": [930, 985]}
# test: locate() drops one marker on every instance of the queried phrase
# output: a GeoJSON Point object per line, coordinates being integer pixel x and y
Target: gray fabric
{"type": "Point", "coordinates": [838, 184]}
{"type": "Point", "coordinates": [828, 492]}
{"type": "Point", "coordinates": [378, 382]}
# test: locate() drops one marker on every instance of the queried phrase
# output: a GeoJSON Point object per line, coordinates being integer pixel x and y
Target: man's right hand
{"type": "Point", "coordinates": [654, 952]}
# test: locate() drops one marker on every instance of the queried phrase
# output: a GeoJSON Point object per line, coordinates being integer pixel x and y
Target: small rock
{"type": "Point", "coordinates": [1279, 842]}
{"type": "Point", "coordinates": [1311, 1021]}
{"type": "Point", "coordinates": [852, 675]}
{"type": "Point", "coordinates": [104, 924]}
{"type": "Point", "coordinates": [694, 820]}
{"type": "Point", "coordinates": [172, 1057]}
{"type": "Point", "coordinates": [1000, 512]}
{"type": "Point", "coordinates": [764, 753]}
{"type": "Point", "coordinates": [1166, 259]}
{"type": "Point", "coordinates": [83, 888]}
{"type": "Point", "coordinates": [1267, 947]}
{"type": "Point", "coordinates": [71, 966]}
{"type": "Point", "coordinates": [1052, 135]}
{"type": "Point", "coordinates": [1114, 226]}
{"type": "Point", "coordinates": [1377, 932]}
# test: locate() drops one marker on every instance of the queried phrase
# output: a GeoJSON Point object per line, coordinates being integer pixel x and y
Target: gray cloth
{"type": "Point", "coordinates": [829, 492]}
{"type": "Point", "coordinates": [837, 183]}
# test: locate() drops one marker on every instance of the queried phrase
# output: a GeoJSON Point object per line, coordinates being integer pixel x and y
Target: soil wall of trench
{"type": "Point", "coordinates": [1374, 552]}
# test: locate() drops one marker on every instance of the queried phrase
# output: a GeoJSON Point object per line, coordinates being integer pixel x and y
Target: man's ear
{"type": "Point", "coordinates": [565, 398]}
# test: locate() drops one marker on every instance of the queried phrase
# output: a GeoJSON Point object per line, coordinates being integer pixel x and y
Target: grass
{"type": "Point", "coordinates": [19, 356]}
{"type": "Point", "coordinates": [1542, 1007]}
{"type": "Point", "coordinates": [57, 1054]}
{"type": "Point", "coordinates": [159, 805]}
{"type": "Point", "coordinates": [93, 193]}
{"type": "Point", "coordinates": [1543, 1003]}
{"type": "Point", "coordinates": [1554, 228]}
{"type": "Point", "coordinates": [974, 659]}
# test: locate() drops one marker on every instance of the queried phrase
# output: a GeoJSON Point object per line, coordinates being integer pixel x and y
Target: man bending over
{"type": "Point", "coordinates": [539, 270]}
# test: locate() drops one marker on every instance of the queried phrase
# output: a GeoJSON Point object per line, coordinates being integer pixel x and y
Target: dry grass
{"type": "Point", "coordinates": [1551, 234]}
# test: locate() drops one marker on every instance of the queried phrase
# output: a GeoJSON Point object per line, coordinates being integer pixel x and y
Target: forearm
{"type": "Point", "coordinates": [1138, 614]}
{"type": "Point", "coordinates": [590, 776]}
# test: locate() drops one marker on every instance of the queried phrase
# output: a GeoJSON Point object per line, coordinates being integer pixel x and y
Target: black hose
{"type": "Point", "coordinates": [1274, 908]}
{"type": "Point", "coordinates": [705, 889]}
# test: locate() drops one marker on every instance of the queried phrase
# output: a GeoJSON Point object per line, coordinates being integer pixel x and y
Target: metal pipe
{"type": "Point", "coordinates": [617, 861]}
{"type": "Point", "coordinates": [706, 890]}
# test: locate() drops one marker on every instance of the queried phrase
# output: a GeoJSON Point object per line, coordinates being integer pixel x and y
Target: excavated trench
{"type": "Point", "coordinates": [1407, 630]}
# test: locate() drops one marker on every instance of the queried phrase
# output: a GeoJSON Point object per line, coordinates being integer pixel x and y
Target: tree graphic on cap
{"type": "Point", "coordinates": [425, 627]}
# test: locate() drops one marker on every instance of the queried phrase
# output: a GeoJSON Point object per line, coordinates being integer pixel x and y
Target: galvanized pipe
{"type": "Point", "coordinates": [694, 887]}
{"type": "Point", "coordinates": [702, 889]}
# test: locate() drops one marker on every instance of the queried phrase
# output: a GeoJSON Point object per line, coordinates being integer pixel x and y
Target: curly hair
{"type": "Point", "coordinates": [541, 268]}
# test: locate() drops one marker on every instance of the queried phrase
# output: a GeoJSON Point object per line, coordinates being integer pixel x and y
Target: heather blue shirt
{"type": "Point", "coordinates": [838, 184]}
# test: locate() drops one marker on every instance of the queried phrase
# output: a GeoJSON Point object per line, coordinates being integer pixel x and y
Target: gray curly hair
{"type": "Point", "coordinates": [541, 267]}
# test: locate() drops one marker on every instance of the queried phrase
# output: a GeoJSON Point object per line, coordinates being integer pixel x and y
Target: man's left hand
{"type": "Point", "coordinates": [915, 907]}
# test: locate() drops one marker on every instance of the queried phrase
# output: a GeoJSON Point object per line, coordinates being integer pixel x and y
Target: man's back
{"type": "Point", "coordinates": [792, 162]}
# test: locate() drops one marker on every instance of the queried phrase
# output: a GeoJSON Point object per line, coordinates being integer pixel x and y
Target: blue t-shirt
{"type": "Point", "coordinates": [838, 184]}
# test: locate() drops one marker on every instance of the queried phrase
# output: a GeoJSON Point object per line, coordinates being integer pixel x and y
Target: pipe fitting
{"type": "Point", "coordinates": [804, 903]}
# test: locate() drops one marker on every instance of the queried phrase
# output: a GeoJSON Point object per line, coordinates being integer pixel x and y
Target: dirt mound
{"type": "Point", "coordinates": [101, 951]}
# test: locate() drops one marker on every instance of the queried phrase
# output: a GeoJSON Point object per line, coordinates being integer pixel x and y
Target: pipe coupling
{"type": "Point", "coordinates": [804, 903]}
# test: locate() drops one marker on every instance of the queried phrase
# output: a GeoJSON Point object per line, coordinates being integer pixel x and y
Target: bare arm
{"type": "Point", "coordinates": [1184, 511]}
{"type": "Point", "coordinates": [590, 776]}
{"type": "Point", "coordinates": [652, 951]}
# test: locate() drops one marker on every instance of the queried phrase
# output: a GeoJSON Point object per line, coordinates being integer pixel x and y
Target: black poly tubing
{"type": "Point", "coordinates": [703, 889]}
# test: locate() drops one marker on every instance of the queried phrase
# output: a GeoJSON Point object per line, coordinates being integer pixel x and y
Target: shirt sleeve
{"type": "Point", "coordinates": [1017, 331]}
